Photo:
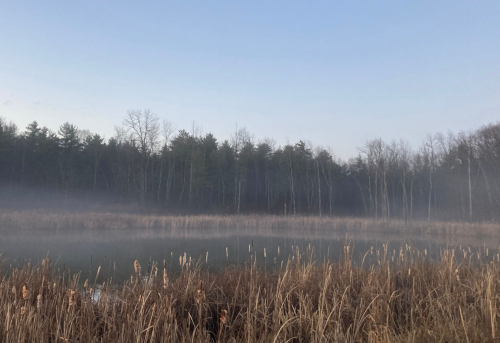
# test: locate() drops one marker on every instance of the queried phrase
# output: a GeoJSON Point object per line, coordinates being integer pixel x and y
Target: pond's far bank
{"type": "Point", "coordinates": [52, 220]}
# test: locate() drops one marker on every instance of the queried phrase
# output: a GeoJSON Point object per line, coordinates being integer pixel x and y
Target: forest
{"type": "Point", "coordinates": [452, 176]}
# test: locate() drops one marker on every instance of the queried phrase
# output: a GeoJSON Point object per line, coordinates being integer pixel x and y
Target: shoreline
{"type": "Point", "coordinates": [33, 220]}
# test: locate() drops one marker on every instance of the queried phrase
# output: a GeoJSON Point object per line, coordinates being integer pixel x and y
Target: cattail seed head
{"type": "Point", "coordinates": [86, 284]}
{"type": "Point", "coordinates": [223, 315]}
{"type": "Point", "coordinates": [165, 278]}
{"type": "Point", "coordinates": [72, 298]}
{"type": "Point", "coordinates": [39, 301]}
{"type": "Point", "coordinates": [26, 292]}
{"type": "Point", "coordinates": [23, 311]}
{"type": "Point", "coordinates": [137, 267]}
{"type": "Point", "coordinates": [200, 295]}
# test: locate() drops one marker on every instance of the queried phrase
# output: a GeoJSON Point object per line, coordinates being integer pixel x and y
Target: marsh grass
{"type": "Point", "coordinates": [44, 220]}
{"type": "Point", "coordinates": [401, 296]}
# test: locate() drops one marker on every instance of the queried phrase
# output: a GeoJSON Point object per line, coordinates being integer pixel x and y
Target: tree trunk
{"type": "Point", "coordinates": [319, 189]}
{"type": "Point", "coordinates": [362, 195]}
{"type": "Point", "coordinates": [470, 185]}
{"type": "Point", "coordinates": [430, 195]}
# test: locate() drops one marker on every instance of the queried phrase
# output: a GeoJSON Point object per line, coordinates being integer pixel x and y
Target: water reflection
{"type": "Point", "coordinates": [116, 250]}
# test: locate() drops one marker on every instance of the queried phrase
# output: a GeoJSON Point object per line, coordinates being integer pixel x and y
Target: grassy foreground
{"type": "Point", "coordinates": [402, 297]}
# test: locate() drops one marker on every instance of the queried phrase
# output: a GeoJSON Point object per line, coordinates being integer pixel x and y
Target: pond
{"type": "Point", "coordinates": [116, 250]}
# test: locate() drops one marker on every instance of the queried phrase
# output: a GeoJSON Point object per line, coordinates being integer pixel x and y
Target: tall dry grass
{"type": "Point", "coordinates": [400, 297]}
{"type": "Point", "coordinates": [40, 220]}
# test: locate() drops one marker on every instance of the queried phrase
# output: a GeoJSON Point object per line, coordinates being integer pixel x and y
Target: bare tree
{"type": "Point", "coordinates": [466, 138]}
{"type": "Point", "coordinates": [167, 129]}
{"type": "Point", "coordinates": [240, 137]}
{"type": "Point", "coordinates": [404, 162]}
{"type": "Point", "coordinates": [144, 128]}
{"type": "Point", "coordinates": [429, 152]}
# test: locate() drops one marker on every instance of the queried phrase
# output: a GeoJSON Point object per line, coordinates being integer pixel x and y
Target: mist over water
{"type": "Point", "coordinates": [116, 250]}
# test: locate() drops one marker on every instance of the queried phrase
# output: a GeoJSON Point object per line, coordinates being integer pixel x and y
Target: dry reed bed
{"type": "Point", "coordinates": [402, 297]}
{"type": "Point", "coordinates": [39, 220]}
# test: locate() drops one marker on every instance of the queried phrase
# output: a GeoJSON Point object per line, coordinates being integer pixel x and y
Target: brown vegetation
{"type": "Point", "coordinates": [401, 297]}
{"type": "Point", "coordinates": [42, 220]}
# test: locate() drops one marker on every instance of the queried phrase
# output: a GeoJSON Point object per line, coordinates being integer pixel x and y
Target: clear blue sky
{"type": "Point", "coordinates": [333, 72]}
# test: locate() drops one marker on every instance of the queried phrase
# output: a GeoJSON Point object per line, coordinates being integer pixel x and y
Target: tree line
{"type": "Point", "coordinates": [449, 177]}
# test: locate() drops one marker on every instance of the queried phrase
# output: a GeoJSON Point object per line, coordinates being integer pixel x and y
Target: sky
{"type": "Point", "coordinates": [336, 73]}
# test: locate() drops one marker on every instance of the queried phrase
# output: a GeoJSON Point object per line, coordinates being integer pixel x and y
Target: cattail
{"type": "Point", "coordinates": [13, 290]}
{"type": "Point", "coordinates": [140, 298]}
{"type": "Point", "coordinates": [137, 267]}
{"type": "Point", "coordinates": [180, 260]}
{"type": "Point", "coordinates": [97, 274]}
{"type": "Point", "coordinates": [278, 250]}
{"type": "Point", "coordinates": [206, 258]}
{"type": "Point", "coordinates": [23, 311]}
{"type": "Point", "coordinates": [39, 301]}
{"type": "Point", "coordinates": [265, 254]}
{"type": "Point", "coordinates": [72, 300]}
{"type": "Point", "coordinates": [26, 292]}
{"type": "Point", "coordinates": [184, 259]}
{"type": "Point", "coordinates": [86, 284]}
{"type": "Point", "coordinates": [200, 295]}
{"type": "Point", "coordinates": [165, 278]}
{"type": "Point", "coordinates": [227, 254]}
{"type": "Point", "coordinates": [223, 318]}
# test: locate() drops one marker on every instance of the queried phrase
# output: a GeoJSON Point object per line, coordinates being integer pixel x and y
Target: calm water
{"type": "Point", "coordinates": [116, 251]}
